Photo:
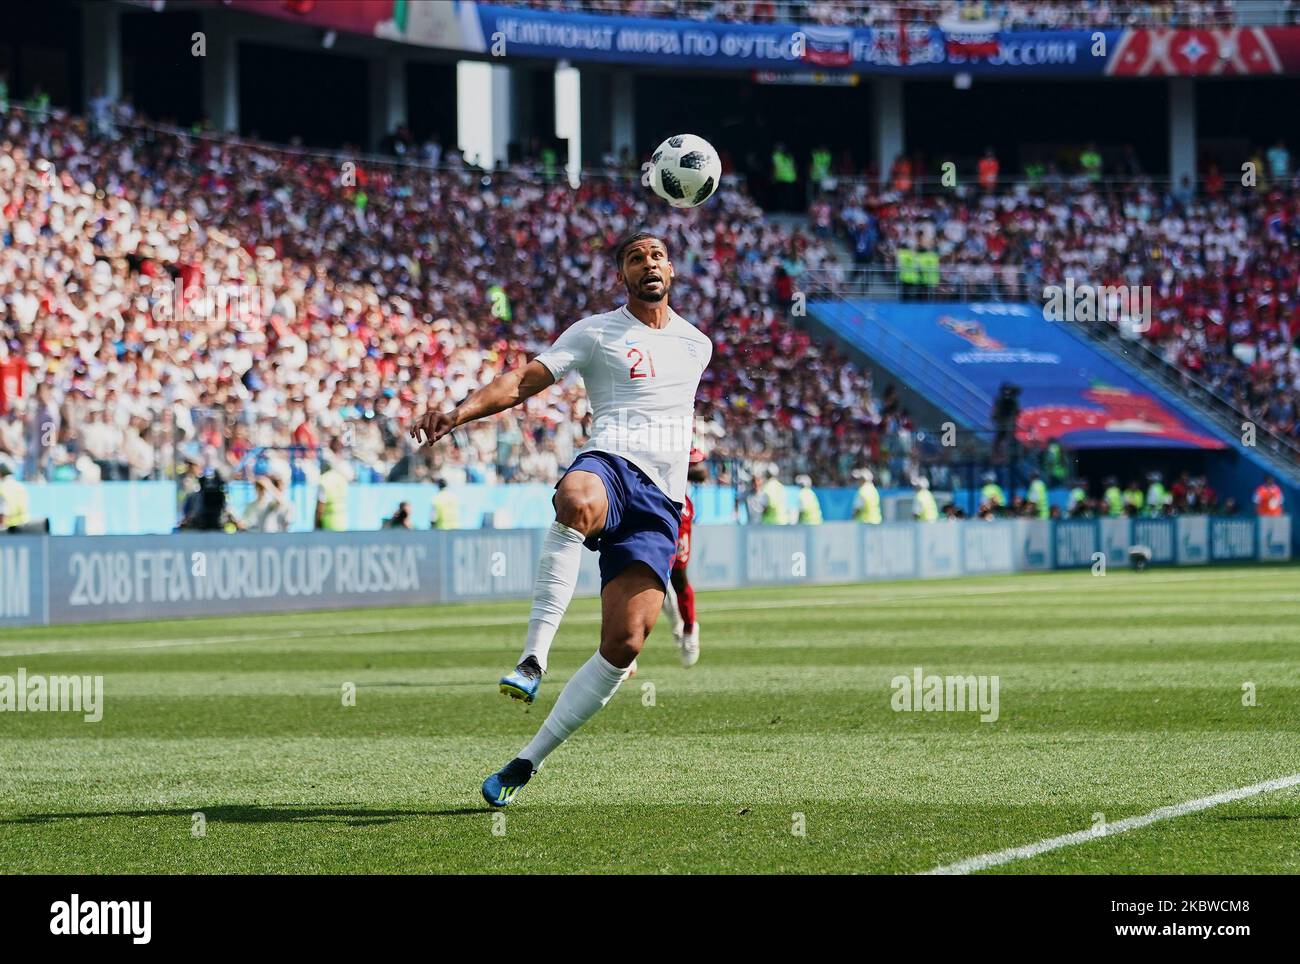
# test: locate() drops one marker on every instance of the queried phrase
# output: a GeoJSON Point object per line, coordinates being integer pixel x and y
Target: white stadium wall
{"type": "Point", "coordinates": [48, 580]}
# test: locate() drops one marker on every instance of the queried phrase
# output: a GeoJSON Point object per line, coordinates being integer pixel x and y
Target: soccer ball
{"type": "Point", "coordinates": [685, 170]}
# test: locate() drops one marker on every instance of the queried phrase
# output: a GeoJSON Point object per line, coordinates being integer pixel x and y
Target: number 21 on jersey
{"type": "Point", "coordinates": [643, 363]}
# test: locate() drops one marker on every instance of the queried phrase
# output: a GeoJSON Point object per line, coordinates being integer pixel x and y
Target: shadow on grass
{"type": "Point", "coordinates": [253, 813]}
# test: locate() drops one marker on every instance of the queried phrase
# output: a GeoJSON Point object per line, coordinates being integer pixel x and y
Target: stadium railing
{"type": "Point", "coordinates": [953, 394]}
{"type": "Point", "coordinates": [923, 185]}
{"type": "Point", "coordinates": [1282, 453]}
{"type": "Point", "coordinates": [956, 283]}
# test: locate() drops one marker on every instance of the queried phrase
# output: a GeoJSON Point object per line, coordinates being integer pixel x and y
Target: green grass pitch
{"type": "Point", "coordinates": [1118, 695]}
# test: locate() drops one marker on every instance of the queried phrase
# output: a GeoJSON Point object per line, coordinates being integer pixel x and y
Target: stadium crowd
{"type": "Point", "coordinates": [174, 303]}
{"type": "Point", "coordinates": [170, 300]}
{"type": "Point", "coordinates": [1222, 261]}
{"type": "Point", "coordinates": [1007, 14]}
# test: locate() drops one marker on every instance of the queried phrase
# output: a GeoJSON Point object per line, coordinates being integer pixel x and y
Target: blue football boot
{"type": "Point", "coordinates": [502, 787]}
{"type": "Point", "coordinates": [523, 682]}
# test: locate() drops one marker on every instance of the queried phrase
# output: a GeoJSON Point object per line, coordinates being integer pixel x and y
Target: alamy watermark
{"type": "Point", "coordinates": [35, 693]}
{"type": "Point", "coordinates": [169, 301]}
{"type": "Point", "coordinates": [640, 433]}
{"type": "Point", "coordinates": [919, 693]}
{"type": "Point", "coordinates": [1128, 306]}
{"type": "Point", "coordinates": [130, 918]}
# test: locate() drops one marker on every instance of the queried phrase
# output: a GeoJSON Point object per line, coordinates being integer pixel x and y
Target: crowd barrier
{"type": "Point", "coordinates": [46, 580]}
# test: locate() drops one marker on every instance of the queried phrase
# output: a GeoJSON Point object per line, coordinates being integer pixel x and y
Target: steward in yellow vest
{"type": "Point", "coordinates": [810, 507]}
{"type": "Point", "coordinates": [774, 507]}
{"type": "Point", "coordinates": [926, 509]}
{"type": "Point", "coordinates": [14, 503]}
{"type": "Point", "coordinates": [866, 504]}
{"type": "Point", "coordinates": [332, 499]}
{"type": "Point", "coordinates": [446, 512]}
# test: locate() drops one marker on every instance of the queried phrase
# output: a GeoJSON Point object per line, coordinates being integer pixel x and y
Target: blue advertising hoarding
{"type": "Point", "coordinates": [76, 579]}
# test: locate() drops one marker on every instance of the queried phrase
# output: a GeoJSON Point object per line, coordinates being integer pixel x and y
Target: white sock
{"type": "Point", "coordinates": [557, 575]}
{"type": "Point", "coordinates": [590, 688]}
{"type": "Point", "coordinates": [671, 609]}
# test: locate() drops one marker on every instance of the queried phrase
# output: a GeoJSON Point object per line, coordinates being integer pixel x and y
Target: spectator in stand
{"type": "Point", "coordinates": [1279, 162]}
{"type": "Point", "coordinates": [1090, 163]}
{"type": "Point", "coordinates": [1268, 498]}
{"type": "Point", "coordinates": [900, 175]}
{"type": "Point", "coordinates": [1020, 14]}
{"type": "Point", "coordinates": [1178, 492]}
{"type": "Point", "coordinates": [988, 170]}
{"type": "Point", "coordinates": [257, 307]}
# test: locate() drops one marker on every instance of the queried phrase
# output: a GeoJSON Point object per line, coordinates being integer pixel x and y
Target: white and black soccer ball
{"type": "Point", "coordinates": [685, 170]}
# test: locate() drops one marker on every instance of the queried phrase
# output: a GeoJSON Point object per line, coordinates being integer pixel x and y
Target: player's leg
{"type": "Point", "coordinates": [581, 507]}
{"type": "Point", "coordinates": [629, 608]}
{"type": "Point", "coordinates": [630, 605]}
{"type": "Point", "coordinates": [685, 594]}
{"type": "Point", "coordinates": [672, 609]}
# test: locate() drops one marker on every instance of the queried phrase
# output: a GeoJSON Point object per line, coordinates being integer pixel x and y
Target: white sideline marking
{"type": "Point", "coordinates": [985, 861]}
{"type": "Point", "coordinates": [855, 600]}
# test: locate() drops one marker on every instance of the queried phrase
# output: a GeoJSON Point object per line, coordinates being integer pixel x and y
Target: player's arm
{"type": "Point", "coordinates": [503, 392]}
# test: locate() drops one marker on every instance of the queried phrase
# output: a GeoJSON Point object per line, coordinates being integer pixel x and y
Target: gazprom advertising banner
{"type": "Point", "coordinates": [1193, 534]}
{"type": "Point", "coordinates": [889, 550]}
{"type": "Point", "coordinates": [1033, 545]}
{"type": "Point", "coordinates": [1069, 390]}
{"type": "Point", "coordinates": [1116, 537]}
{"type": "Point", "coordinates": [1274, 538]}
{"type": "Point", "coordinates": [833, 552]}
{"type": "Point", "coordinates": [77, 579]}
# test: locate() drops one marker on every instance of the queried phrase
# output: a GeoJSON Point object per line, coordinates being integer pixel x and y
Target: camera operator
{"type": "Point", "coordinates": [1006, 411]}
{"type": "Point", "coordinates": [205, 509]}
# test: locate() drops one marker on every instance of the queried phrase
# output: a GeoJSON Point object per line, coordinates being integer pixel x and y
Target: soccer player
{"type": "Point", "coordinates": [622, 495]}
{"type": "Point", "coordinates": [679, 605]}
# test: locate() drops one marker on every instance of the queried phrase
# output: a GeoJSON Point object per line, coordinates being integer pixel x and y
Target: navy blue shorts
{"type": "Point", "coordinates": [642, 522]}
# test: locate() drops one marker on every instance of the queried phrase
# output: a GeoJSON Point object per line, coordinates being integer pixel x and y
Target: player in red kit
{"type": "Point", "coordinates": [680, 603]}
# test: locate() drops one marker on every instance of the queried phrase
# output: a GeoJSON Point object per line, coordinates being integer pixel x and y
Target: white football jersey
{"type": "Point", "coordinates": [641, 384]}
